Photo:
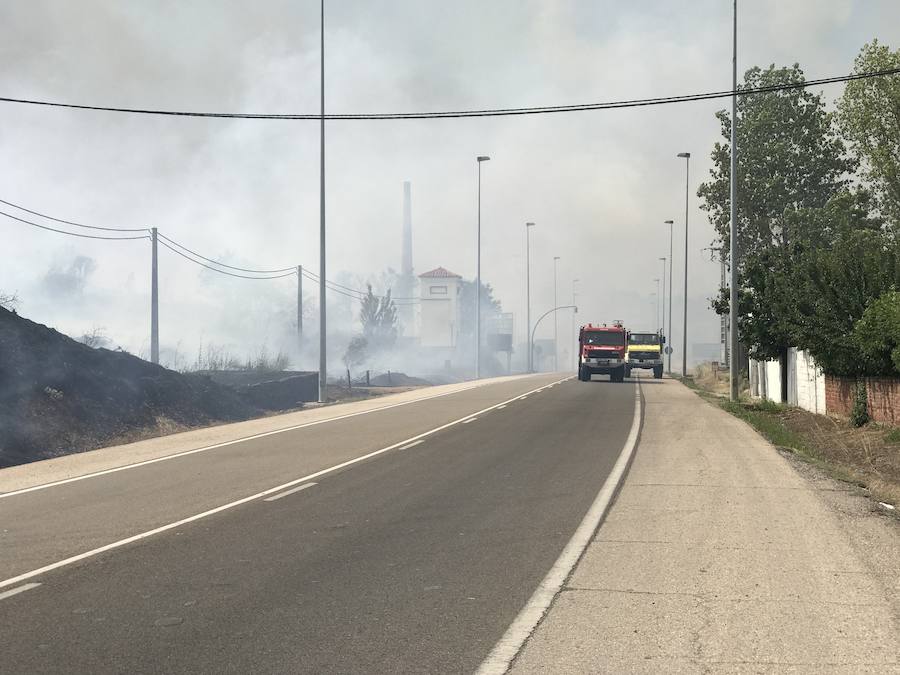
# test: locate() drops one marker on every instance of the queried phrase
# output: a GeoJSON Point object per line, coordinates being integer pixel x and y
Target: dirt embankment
{"type": "Point", "coordinates": [59, 396]}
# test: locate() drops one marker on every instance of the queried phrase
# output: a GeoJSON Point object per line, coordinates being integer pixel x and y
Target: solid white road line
{"type": "Point", "coordinates": [184, 453]}
{"type": "Point", "coordinates": [506, 649]}
{"type": "Point", "coordinates": [289, 492]}
{"type": "Point", "coordinates": [16, 591]}
{"type": "Point", "coordinates": [411, 445]}
{"type": "Point", "coordinates": [265, 493]}
{"type": "Point", "coordinates": [471, 419]}
{"type": "Point", "coordinates": [501, 407]}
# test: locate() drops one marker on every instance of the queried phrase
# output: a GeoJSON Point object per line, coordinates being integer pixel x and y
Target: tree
{"type": "Point", "coordinates": [877, 335]}
{"type": "Point", "coordinates": [355, 354]}
{"type": "Point", "coordinates": [790, 159]}
{"type": "Point", "coordinates": [9, 301]}
{"type": "Point", "coordinates": [490, 306]}
{"type": "Point", "coordinates": [869, 117]}
{"type": "Point", "coordinates": [378, 316]}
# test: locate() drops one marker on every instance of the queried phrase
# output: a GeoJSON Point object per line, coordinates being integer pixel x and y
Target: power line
{"type": "Point", "coordinates": [490, 112]}
{"type": "Point", "coordinates": [69, 222]}
{"type": "Point", "coordinates": [215, 269]}
{"type": "Point", "coordinates": [71, 234]}
{"type": "Point", "coordinates": [221, 264]}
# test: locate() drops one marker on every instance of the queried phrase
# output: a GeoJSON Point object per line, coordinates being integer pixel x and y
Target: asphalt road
{"type": "Point", "coordinates": [416, 560]}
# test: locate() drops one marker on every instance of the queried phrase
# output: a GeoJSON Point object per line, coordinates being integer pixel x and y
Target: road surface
{"type": "Point", "coordinates": [413, 559]}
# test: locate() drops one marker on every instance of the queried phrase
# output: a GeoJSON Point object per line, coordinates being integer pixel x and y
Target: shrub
{"type": "Point", "coordinates": [859, 415]}
{"type": "Point", "coordinates": [877, 334]}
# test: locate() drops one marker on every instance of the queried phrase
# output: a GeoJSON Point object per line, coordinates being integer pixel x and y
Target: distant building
{"type": "Point", "coordinates": [439, 293]}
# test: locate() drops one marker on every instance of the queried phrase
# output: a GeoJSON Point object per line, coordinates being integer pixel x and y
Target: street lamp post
{"type": "Point", "coordinates": [547, 313]}
{"type": "Point", "coordinates": [528, 227]}
{"type": "Point", "coordinates": [671, 224]}
{"type": "Point", "coordinates": [662, 325]}
{"type": "Point", "coordinates": [479, 160]}
{"type": "Point", "coordinates": [323, 342]}
{"type": "Point", "coordinates": [684, 342]}
{"type": "Point", "coordinates": [656, 314]}
{"type": "Point", "coordinates": [555, 318]}
{"type": "Point", "coordinates": [572, 337]}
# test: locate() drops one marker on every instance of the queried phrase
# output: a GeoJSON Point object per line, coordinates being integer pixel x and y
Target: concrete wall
{"type": "Point", "coordinates": [806, 383]}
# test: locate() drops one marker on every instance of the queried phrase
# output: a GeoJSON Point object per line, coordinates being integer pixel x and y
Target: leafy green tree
{"type": "Point", "coordinates": [790, 159]}
{"type": "Point", "coordinates": [877, 335]}
{"type": "Point", "coordinates": [378, 316]}
{"type": "Point", "coordinates": [869, 117]}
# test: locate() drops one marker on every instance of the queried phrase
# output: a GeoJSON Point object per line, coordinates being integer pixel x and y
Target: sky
{"type": "Point", "coordinates": [597, 184]}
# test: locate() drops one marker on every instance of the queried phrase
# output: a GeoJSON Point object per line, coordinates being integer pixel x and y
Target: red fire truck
{"type": "Point", "coordinates": [601, 351]}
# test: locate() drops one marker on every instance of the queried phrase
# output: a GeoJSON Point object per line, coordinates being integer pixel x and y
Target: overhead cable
{"type": "Point", "coordinates": [72, 234]}
{"type": "Point", "coordinates": [450, 114]}
{"type": "Point", "coordinates": [220, 271]}
{"type": "Point", "coordinates": [69, 222]}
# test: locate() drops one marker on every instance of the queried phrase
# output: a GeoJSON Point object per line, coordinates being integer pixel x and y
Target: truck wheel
{"type": "Point", "coordinates": [657, 372]}
{"type": "Point", "coordinates": [627, 371]}
{"type": "Point", "coordinates": [617, 375]}
{"type": "Point", "coordinates": [583, 374]}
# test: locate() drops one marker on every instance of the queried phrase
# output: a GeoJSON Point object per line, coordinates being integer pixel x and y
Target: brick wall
{"type": "Point", "coordinates": [883, 397]}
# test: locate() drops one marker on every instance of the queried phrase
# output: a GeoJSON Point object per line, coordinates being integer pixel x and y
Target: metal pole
{"type": "Point", "coordinates": [528, 227]}
{"type": "Point", "coordinates": [572, 335]}
{"type": "Point", "coordinates": [555, 318]}
{"type": "Point", "coordinates": [687, 180]}
{"type": "Point", "coordinates": [323, 392]}
{"type": "Point", "coordinates": [733, 233]}
{"type": "Point", "coordinates": [662, 324]}
{"type": "Point", "coordinates": [656, 314]}
{"type": "Point", "coordinates": [300, 301]}
{"type": "Point", "coordinates": [478, 285]}
{"type": "Point", "coordinates": [154, 300]}
{"type": "Point", "coordinates": [547, 313]}
{"type": "Point", "coordinates": [671, 225]}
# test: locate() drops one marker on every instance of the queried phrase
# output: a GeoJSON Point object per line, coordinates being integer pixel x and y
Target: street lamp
{"type": "Point", "coordinates": [684, 342]}
{"type": "Point", "coordinates": [733, 230]}
{"type": "Point", "coordinates": [555, 318]}
{"type": "Point", "coordinates": [528, 227]}
{"type": "Point", "coordinates": [323, 342]}
{"type": "Point", "coordinates": [572, 337]}
{"type": "Point", "coordinates": [656, 316]}
{"type": "Point", "coordinates": [662, 325]}
{"type": "Point", "coordinates": [671, 224]}
{"type": "Point", "coordinates": [479, 160]}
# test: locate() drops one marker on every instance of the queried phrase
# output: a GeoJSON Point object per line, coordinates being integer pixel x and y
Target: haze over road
{"type": "Point", "coordinates": [417, 559]}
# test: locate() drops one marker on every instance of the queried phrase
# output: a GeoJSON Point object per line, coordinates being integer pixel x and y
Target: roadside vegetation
{"type": "Point", "coordinates": [867, 456]}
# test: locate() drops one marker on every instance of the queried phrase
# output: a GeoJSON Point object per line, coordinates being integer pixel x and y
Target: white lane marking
{"type": "Point", "coordinates": [16, 591]}
{"type": "Point", "coordinates": [501, 407]}
{"type": "Point", "coordinates": [224, 507]}
{"type": "Point", "coordinates": [289, 492]}
{"type": "Point", "coordinates": [522, 398]}
{"type": "Point", "coordinates": [232, 442]}
{"type": "Point", "coordinates": [471, 419]}
{"type": "Point", "coordinates": [506, 649]}
{"type": "Point", "coordinates": [411, 445]}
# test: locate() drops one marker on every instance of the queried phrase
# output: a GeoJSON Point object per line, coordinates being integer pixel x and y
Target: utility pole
{"type": "Point", "coordinates": [530, 359]}
{"type": "Point", "coordinates": [662, 325]}
{"type": "Point", "coordinates": [656, 315]}
{"type": "Point", "coordinates": [687, 182]}
{"type": "Point", "coordinates": [733, 232]}
{"type": "Point", "coordinates": [323, 389]}
{"type": "Point", "coordinates": [572, 338]}
{"type": "Point", "coordinates": [300, 302]}
{"type": "Point", "coordinates": [154, 300]}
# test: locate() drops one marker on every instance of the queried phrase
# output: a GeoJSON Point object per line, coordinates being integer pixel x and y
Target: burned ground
{"type": "Point", "coordinates": [59, 396]}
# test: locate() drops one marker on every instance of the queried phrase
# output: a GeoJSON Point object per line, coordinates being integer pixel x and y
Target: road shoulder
{"type": "Point", "coordinates": [720, 554]}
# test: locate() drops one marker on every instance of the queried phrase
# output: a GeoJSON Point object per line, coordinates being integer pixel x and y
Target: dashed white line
{"type": "Point", "coordinates": [471, 419]}
{"type": "Point", "coordinates": [411, 445]}
{"type": "Point", "coordinates": [15, 591]}
{"type": "Point", "coordinates": [289, 492]}
{"type": "Point", "coordinates": [224, 507]}
{"type": "Point", "coordinates": [501, 407]}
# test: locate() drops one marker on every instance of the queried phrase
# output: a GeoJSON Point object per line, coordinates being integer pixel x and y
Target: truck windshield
{"type": "Point", "coordinates": [643, 339]}
{"type": "Point", "coordinates": [606, 339]}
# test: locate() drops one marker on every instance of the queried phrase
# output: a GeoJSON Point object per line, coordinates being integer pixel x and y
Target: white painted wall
{"type": "Point", "coordinates": [806, 382]}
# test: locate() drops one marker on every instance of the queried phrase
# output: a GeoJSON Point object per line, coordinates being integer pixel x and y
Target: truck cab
{"type": "Point", "coordinates": [601, 351]}
{"type": "Point", "coordinates": [645, 350]}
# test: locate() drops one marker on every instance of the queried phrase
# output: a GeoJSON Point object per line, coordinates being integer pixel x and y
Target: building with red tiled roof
{"type": "Point", "coordinates": [439, 273]}
{"type": "Point", "coordinates": [439, 292]}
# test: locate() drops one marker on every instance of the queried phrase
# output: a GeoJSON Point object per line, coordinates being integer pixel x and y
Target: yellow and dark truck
{"type": "Point", "coordinates": [645, 350]}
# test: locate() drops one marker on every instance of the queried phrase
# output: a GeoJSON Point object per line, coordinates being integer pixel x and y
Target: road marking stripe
{"type": "Point", "coordinates": [289, 492]}
{"type": "Point", "coordinates": [265, 493]}
{"type": "Point", "coordinates": [411, 445]}
{"type": "Point", "coordinates": [471, 419]}
{"type": "Point", "coordinates": [184, 453]}
{"type": "Point", "coordinates": [508, 647]}
{"type": "Point", "coordinates": [501, 407]}
{"type": "Point", "coordinates": [16, 591]}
